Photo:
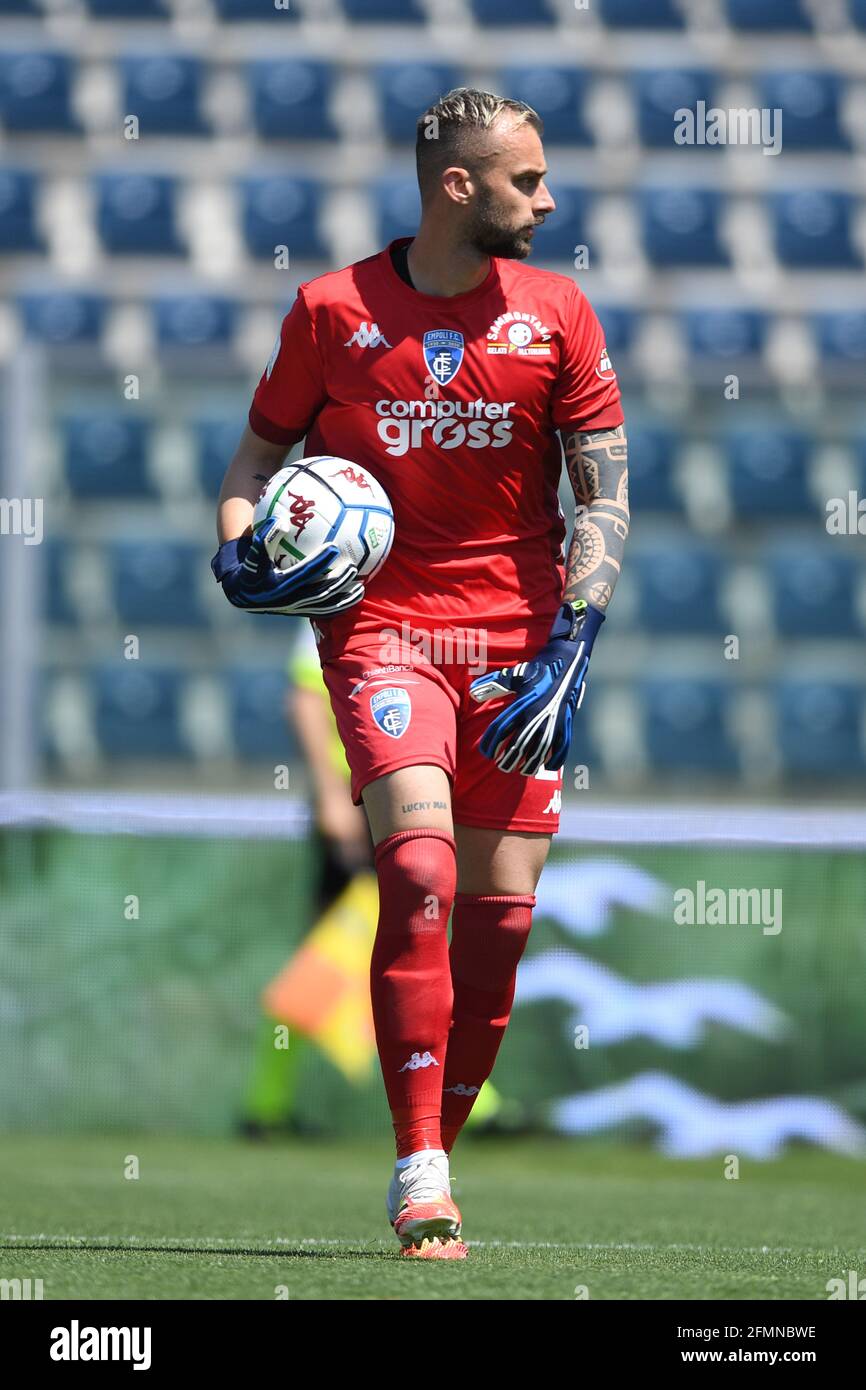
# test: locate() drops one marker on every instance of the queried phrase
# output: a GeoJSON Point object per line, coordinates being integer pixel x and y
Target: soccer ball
{"type": "Point", "coordinates": [324, 499]}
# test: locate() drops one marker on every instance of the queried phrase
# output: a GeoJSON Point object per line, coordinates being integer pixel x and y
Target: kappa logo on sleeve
{"type": "Point", "coordinates": [605, 370]}
{"type": "Point", "coordinates": [392, 710]}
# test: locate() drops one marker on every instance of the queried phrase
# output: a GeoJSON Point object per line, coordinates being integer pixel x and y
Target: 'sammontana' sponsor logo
{"type": "Point", "coordinates": [518, 334]}
{"type": "Point", "coordinates": [477, 424]}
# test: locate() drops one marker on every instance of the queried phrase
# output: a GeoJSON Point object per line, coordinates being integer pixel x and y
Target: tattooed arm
{"type": "Point", "coordinates": [598, 469]}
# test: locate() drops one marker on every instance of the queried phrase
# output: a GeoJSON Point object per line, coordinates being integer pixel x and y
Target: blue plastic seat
{"type": "Point", "coordinates": [35, 89]}
{"type": "Point", "coordinates": [216, 439]}
{"type": "Point", "coordinates": [681, 227]}
{"type": "Point", "coordinates": [814, 591]}
{"type": "Point", "coordinates": [397, 207]}
{"type": "Point", "coordinates": [619, 324]}
{"type": "Point", "coordinates": [279, 210]}
{"type": "Point", "coordinates": [813, 230]}
{"type": "Point", "coordinates": [164, 91]}
{"type": "Point", "coordinates": [725, 333]}
{"type": "Point", "coordinates": [810, 105]}
{"type": "Point", "coordinates": [557, 94]}
{"type": "Point", "coordinates": [513, 12]}
{"type": "Point", "coordinates": [18, 230]}
{"type": "Point", "coordinates": [129, 9]}
{"type": "Point", "coordinates": [63, 316]}
{"type": "Point", "coordinates": [105, 454]}
{"type": "Point", "coordinates": [841, 336]}
{"type": "Point", "coordinates": [156, 583]}
{"type": "Point", "coordinates": [769, 471]}
{"type": "Point", "coordinates": [22, 7]}
{"type": "Point", "coordinates": [819, 727]}
{"type": "Point", "coordinates": [137, 710]}
{"type": "Point", "coordinates": [764, 16]}
{"type": "Point", "coordinates": [660, 93]}
{"type": "Point", "coordinates": [652, 451]}
{"type": "Point", "coordinates": [858, 13]}
{"type": "Point", "coordinates": [407, 89]}
{"type": "Point", "coordinates": [136, 214]}
{"type": "Point", "coordinates": [565, 229]}
{"type": "Point", "coordinates": [678, 588]}
{"type": "Point", "coordinates": [384, 11]}
{"type": "Point", "coordinates": [640, 14]}
{"type": "Point", "coordinates": [257, 705]}
{"type": "Point", "coordinates": [291, 99]}
{"type": "Point", "coordinates": [684, 726]}
{"type": "Point", "coordinates": [194, 320]}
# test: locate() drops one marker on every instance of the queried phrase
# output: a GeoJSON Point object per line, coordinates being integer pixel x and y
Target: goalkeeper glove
{"type": "Point", "coordinates": [323, 584]}
{"type": "Point", "coordinates": [534, 731]}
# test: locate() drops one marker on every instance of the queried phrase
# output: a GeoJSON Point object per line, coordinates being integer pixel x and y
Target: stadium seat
{"type": "Point", "coordinates": [291, 99]}
{"type": "Point", "coordinates": [258, 712]}
{"type": "Point", "coordinates": [194, 320]}
{"type": "Point", "coordinates": [397, 207]}
{"type": "Point", "coordinates": [680, 227]}
{"type": "Point", "coordinates": [565, 230]}
{"type": "Point", "coordinates": [137, 710]}
{"type": "Point", "coordinates": [651, 455]}
{"type": "Point", "coordinates": [858, 13]}
{"type": "Point", "coordinates": [809, 102]}
{"type": "Point", "coordinates": [640, 14]}
{"type": "Point", "coordinates": [279, 210]}
{"type": "Point", "coordinates": [406, 90]}
{"type": "Point", "coordinates": [18, 230]}
{"type": "Point", "coordinates": [813, 591]}
{"type": "Point", "coordinates": [767, 15]}
{"type": "Point", "coordinates": [129, 9]}
{"type": "Point", "coordinates": [768, 472]}
{"type": "Point", "coordinates": [105, 454]}
{"type": "Point", "coordinates": [164, 91]}
{"type": "Point", "coordinates": [35, 89]}
{"type": "Point", "coordinates": [819, 727]}
{"type": "Point", "coordinates": [660, 92]}
{"type": "Point", "coordinates": [156, 583]}
{"type": "Point", "coordinates": [841, 336]}
{"type": "Point", "coordinates": [384, 11]}
{"type": "Point", "coordinates": [256, 11]}
{"type": "Point", "coordinates": [678, 588]}
{"type": "Point", "coordinates": [557, 94]}
{"type": "Point", "coordinates": [684, 726]}
{"type": "Point", "coordinates": [22, 7]}
{"type": "Point", "coordinates": [513, 12]}
{"type": "Point", "coordinates": [57, 560]}
{"type": "Point", "coordinates": [136, 214]}
{"type": "Point", "coordinates": [725, 333]}
{"type": "Point", "coordinates": [62, 316]}
{"type": "Point", "coordinates": [216, 438]}
{"type": "Point", "coordinates": [619, 324]}
{"type": "Point", "coordinates": [813, 230]}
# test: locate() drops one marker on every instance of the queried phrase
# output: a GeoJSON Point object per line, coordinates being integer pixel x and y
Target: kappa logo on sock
{"type": "Point", "coordinates": [461, 1089]}
{"type": "Point", "coordinates": [416, 1061]}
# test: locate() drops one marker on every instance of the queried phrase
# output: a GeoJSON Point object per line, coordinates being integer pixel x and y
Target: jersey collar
{"type": "Point", "coordinates": [439, 301]}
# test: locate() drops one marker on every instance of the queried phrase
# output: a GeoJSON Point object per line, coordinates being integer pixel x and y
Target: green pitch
{"type": "Point", "coordinates": [230, 1220]}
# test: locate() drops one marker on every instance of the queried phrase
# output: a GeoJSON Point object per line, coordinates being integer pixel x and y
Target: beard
{"type": "Point", "coordinates": [489, 236]}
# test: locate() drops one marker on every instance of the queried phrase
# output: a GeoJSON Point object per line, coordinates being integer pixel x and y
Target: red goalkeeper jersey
{"type": "Point", "coordinates": [453, 403]}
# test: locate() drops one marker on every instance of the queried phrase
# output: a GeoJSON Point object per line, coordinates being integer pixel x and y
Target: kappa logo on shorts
{"type": "Point", "coordinates": [392, 710]}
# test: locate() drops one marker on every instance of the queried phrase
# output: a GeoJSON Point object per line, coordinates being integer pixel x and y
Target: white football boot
{"type": "Point", "coordinates": [426, 1220]}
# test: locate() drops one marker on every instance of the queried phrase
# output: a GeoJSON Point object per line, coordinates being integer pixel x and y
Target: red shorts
{"type": "Point", "coordinates": [416, 709]}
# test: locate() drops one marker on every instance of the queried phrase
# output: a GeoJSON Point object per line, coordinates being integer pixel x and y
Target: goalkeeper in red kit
{"type": "Point", "coordinates": [458, 375]}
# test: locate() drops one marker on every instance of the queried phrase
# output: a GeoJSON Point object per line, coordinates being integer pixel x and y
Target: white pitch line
{"type": "Point", "coordinates": [167, 1242]}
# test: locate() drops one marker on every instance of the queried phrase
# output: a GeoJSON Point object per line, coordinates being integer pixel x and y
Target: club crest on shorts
{"type": "Point", "coordinates": [392, 711]}
{"type": "Point", "coordinates": [443, 353]}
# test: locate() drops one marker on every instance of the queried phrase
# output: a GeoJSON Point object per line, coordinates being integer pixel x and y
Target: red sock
{"type": "Point", "coordinates": [410, 980]}
{"type": "Point", "coordinates": [488, 937]}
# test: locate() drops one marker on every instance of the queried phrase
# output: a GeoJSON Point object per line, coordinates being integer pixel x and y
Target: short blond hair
{"type": "Point", "coordinates": [447, 130]}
